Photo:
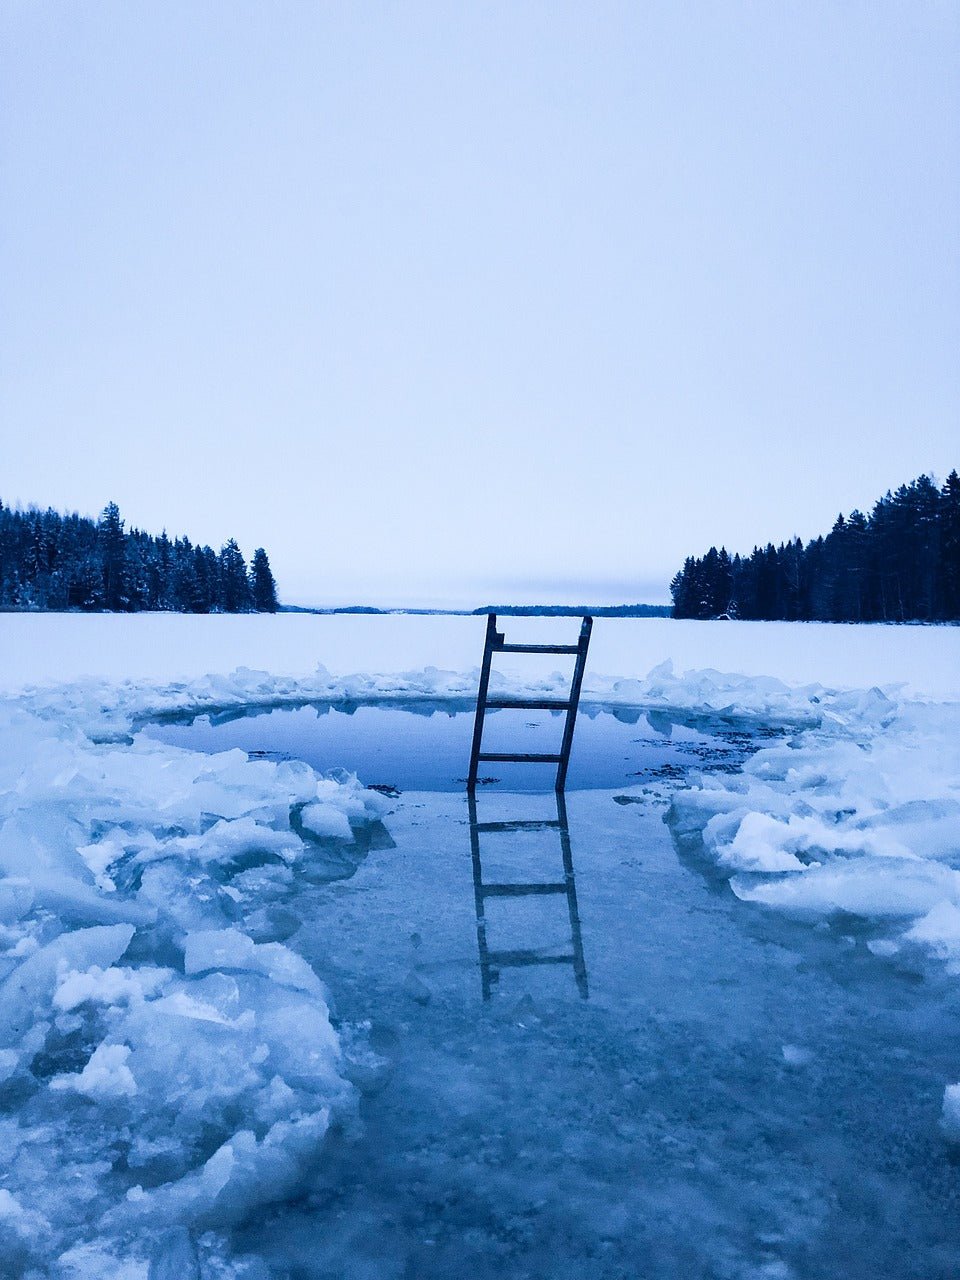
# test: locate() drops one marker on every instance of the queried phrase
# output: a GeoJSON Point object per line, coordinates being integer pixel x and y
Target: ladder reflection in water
{"type": "Point", "coordinates": [493, 961]}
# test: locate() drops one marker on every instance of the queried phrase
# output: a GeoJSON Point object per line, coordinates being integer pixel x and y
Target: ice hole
{"type": "Point", "coordinates": [424, 745]}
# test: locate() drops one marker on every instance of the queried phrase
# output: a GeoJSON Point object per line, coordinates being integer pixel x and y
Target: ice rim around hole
{"type": "Point", "coordinates": [168, 1060]}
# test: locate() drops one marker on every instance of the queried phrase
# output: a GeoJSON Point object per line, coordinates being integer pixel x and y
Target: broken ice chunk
{"type": "Point", "coordinates": [105, 1076]}
{"type": "Point", "coordinates": [31, 986]}
{"type": "Point", "coordinates": [230, 949]}
{"type": "Point", "coordinates": [326, 821]}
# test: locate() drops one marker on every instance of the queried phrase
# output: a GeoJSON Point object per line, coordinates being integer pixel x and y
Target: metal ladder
{"type": "Point", "coordinates": [496, 643]}
{"type": "Point", "coordinates": [492, 961]}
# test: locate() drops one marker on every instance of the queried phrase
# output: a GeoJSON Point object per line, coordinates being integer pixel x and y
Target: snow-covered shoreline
{"type": "Point", "coordinates": [167, 1054]}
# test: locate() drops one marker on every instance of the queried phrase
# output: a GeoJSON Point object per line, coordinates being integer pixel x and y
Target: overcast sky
{"type": "Point", "coordinates": [467, 301]}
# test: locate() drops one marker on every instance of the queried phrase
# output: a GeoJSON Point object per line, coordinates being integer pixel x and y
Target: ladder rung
{"type": "Point", "coordinates": [536, 648]}
{"type": "Point", "coordinates": [529, 704]}
{"type": "Point", "coordinates": [504, 756]}
{"type": "Point", "coordinates": [520, 890]}
{"type": "Point", "coordinates": [501, 959]}
{"type": "Point", "coordinates": [529, 824]}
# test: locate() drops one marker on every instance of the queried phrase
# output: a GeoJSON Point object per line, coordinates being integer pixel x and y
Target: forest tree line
{"type": "Point", "coordinates": [53, 561]}
{"type": "Point", "coordinates": [900, 563]}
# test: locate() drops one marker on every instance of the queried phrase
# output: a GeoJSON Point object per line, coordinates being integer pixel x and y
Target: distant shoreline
{"type": "Point", "coordinates": [506, 610]}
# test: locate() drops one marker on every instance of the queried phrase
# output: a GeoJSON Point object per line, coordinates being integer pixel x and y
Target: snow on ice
{"type": "Point", "coordinates": [168, 1058]}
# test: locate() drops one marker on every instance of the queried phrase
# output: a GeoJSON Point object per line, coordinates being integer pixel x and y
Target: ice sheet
{"type": "Point", "coordinates": [168, 1055]}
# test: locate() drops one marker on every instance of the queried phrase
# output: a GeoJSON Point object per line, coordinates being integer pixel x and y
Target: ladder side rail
{"type": "Point", "coordinates": [579, 666]}
{"type": "Point", "coordinates": [576, 935]}
{"type": "Point", "coordinates": [488, 647]}
{"type": "Point", "coordinates": [478, 896]}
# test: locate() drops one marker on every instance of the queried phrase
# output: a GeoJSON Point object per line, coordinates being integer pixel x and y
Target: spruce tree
{"type": "Point", "coordinates": [262, 585]}
{"type": "Point", "coordinates": [949, 593]}
{"type": "Point", "coordinates": [113, 558]}
{"type": "Point", "coordinates": [234, 583]}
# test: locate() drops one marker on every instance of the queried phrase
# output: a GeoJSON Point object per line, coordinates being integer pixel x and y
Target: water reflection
{"type": "Point", "coordinates": [493, 961]}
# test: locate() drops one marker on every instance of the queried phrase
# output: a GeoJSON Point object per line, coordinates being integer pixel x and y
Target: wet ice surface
{"type": "Point", "coordinates": [738, 1097]}
{"type": "Point", "coordinates": [425, 745]}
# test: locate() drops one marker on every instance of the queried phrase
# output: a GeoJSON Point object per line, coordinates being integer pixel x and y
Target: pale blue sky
{"type": "Point", "coordinates": [464, 301]}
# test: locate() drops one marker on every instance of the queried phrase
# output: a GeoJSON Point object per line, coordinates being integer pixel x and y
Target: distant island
{"type": "Point", "coordinates": [899, 564]}
{"type": "Point", "coordinates": [50, 561]}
